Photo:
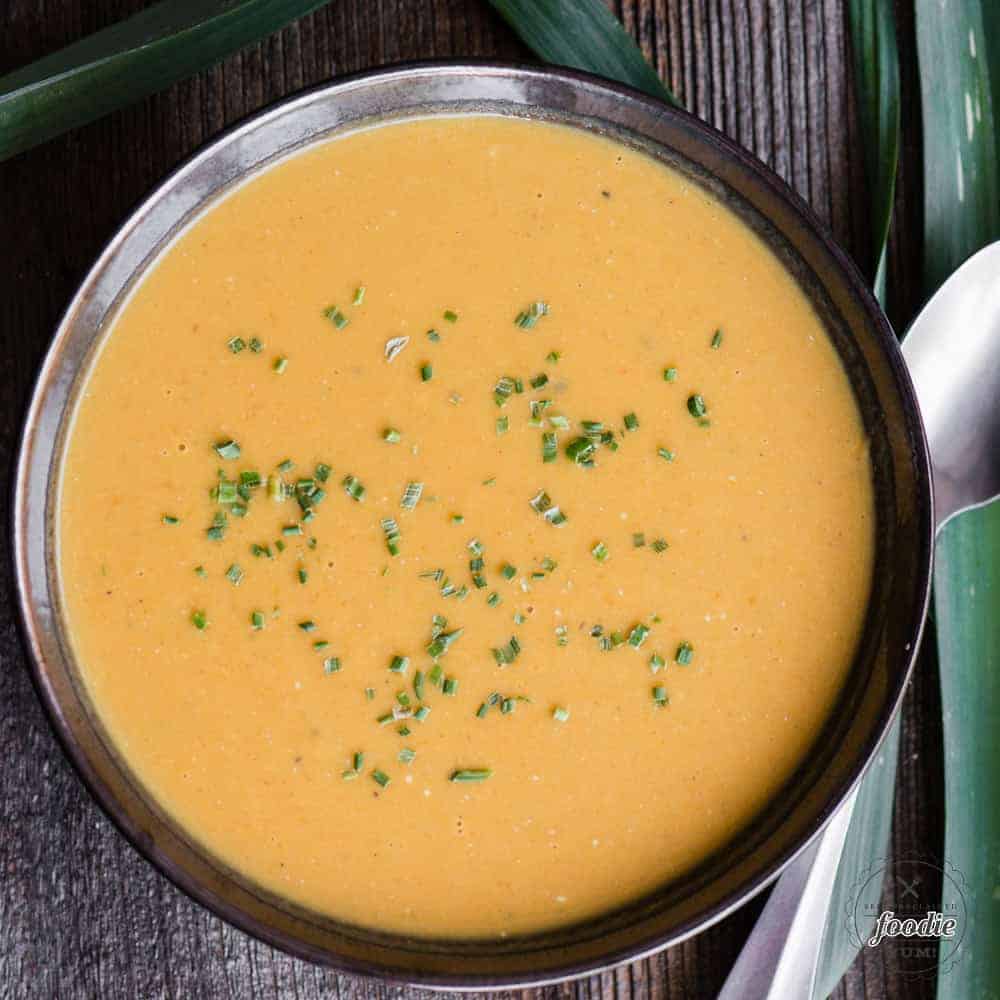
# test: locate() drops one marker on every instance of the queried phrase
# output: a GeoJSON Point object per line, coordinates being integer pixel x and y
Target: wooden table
{"type": "Point", "coordinates": [81, 914]}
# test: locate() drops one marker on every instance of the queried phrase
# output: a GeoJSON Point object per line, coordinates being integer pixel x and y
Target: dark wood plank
{"type": "Point", "coordinates": [81, 915]}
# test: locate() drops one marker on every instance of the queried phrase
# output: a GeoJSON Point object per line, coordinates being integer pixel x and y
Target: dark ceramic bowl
{"type": "Point", "coordinates": [904, 522]}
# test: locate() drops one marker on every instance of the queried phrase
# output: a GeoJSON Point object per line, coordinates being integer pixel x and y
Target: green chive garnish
{"type": "Point", "coordinates": [170, 519]}
{"type": "Point", "coordinates": [234, 575]}
{"type": "Point", "coordinates": [638, 635]}
{"type": "Point", "coordinates": [553, 356]}
{"type": "Point", "coordinates": [450, 316]}
{"type": "Point", "coordinates": [716, 340]}
{"type": "Point", "coordinates": [656, 663]}
{"type": "Point", "coordinates": [227, 449]}
{"type": "Point", "coordinates": [331, 665]}
{"type": "Point", "coordinates": [236, 344]}
{"type": "Point", "coordinates": [581, 451]}
{"type": "Point", "coordinates": [411, 495]}
{"type": "Point", "coordinates": [508, 653]}
{"type": "Point", "coordinates": [353, 488]}
{"type": "Point", "coordinates": [426, 372]}
{"type": "Point", "coordinates": [391, 531]}
{"type": "Point", "coordinates": [539, 380]}
{"type": "Point", "coordinates": [503, 424]}
{"type": "Point", "coordinates": [542, 504]}
{"type": "Point", "coordinates": [659, 545]}
{"type": "Point", "coordinates": [456, 518]}
{"type": "Point", "coordinates": [665, 453]}
{"type": "Point", "coordinates": [440, 644]}
{"type": "Point", "coordinates": [359, 295]}
{"type": "Point", "coordinates": [336, 317]}
{"type": "Point", "coordinates": [303, 575]}
{"type": "Point", "coordinates": [669, 374]}
{"type": "Point", "coordinates": [421, 713]}
{"type": "Point", "coordinates": [380, 778]}
{"type": "Point", "coordinates": [507, 571]}
{"type": "Point", "coordinates": [291, 529]}
{"type": "Point", "coordinates": [391, 435]}
{"type": "Point", "coordinates": [684, 654]}
{"type": "Point", "coordinates": [660, 696]}
{"type": "Point", "coordinates": [399, 664]}
{"type": "Point", "coordinates": [560, 714]}
{"type": "Point", "coordinates": [217, 531]}
{"type": "Point", "coordinates": [433, 336]}
{"type": "Point", "coordinates": [631, 422]}
{"type": "Point", "coordinates": [257, 620]}
{"type": "Point", "coordinates": [638, 540]}
{"type": "Point", "coordinates": [600, 552]}
{"type": "Point", "coordinates": [696, 406]}
{"type": "Point", "coordinates": [279, 365]}
{"type": "Point", "coordinates": [199, 620]}
{"type": "Point", "coordinates": [407, 756]}
{"type": "Point", "coordinates": [308, 625]}
{"type": "Point", "coordinates": [256, 345]}
{"type": "Point", "coordinates": [393, 346]}
{"type": "Point", "coordinates": [527, 318]}
{"type": "Point", "coordinates": [550, 448]}
{"type": "Point", "coordinates": [450, 686]}
{"type": "Point", "coordinates": [494, 600]}
{"type": "Point", "coordinates": [201, 571]}
{"type": "Point", "coordinates": [471, 774]}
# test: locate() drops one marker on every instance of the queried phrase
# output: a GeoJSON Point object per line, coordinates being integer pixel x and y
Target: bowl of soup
{"type": "Point", "coordinates": [472, 526]}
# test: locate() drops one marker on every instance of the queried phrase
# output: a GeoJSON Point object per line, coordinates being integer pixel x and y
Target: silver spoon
{"type": "Point", "coordinates": [953, 353]}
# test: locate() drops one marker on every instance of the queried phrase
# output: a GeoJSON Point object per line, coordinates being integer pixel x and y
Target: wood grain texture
{"type": "Point", "coordinates": [81, 914]}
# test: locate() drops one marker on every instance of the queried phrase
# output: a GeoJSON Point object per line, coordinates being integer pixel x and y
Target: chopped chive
{"type": "Point", "coordinates": [402, 698]}
{"type": "Point", "coordinates": [539, 380]}
{"type": "Point", "coordinates": [696, 405]}
{"type": "Point", "coordinates": [303, 575]}
{"type": "Point", "coordinates": [550, 449]}
{"type": "Point", "coordinates": [236, 344]}
{"type": "Point", "coordinates": [353, 487]}
{"type": "Point", "coordinates": [494, 600]}
{"type": "Point", "coordinates": [225, 491]}
{"type": "Point", "coordinates": [638, 635]}
{"type": "Point", "coordinates": [508, 653]}
{"type": "Point", "coordinates": [201, 571]}
{"type": "Point", "coordinates": [407, 756]}
{"type": "Point", "coordinates": [291, 529]}
{"type": "Point", "coordinates": [323, 472]}
{"type": "Point", "coordinates": [600, 552]}
{"type": "Point", "coordinates": [560, 423]}
{"type": "Point", "coordinates": [433, 336]}
{"type": "Point", "coordinates": [399, 664]}
{"type": "Point", "coordinates": [560, 714]}
{"type": "Point", "coordinates": [286, 465]}
{"type": "Point", "coordinates": [659, 545]}
{"type": "Point", "coordinates": [503, 389]}
{"type": "Point", "coordinates": [320, 644]}
{"type": "Point", "coordinates": [217, 531]}
{"type": "Point", "coordinates": [716, 340]}
{"type": "Point", "coordinates": [170, 519]}
{"type": "Point", "coordinates": [279, 365]}
{"type": "Point", "coordinates": [549, 564]}
{"type": "Point", "coordinates": [256, 345]}
{"type": "Point", "coordinates": [391, 531]}
{"type": "Point", "coordinates": [393, 346]}
{"type": "Point", "coordinates": [385, 719]}
{"type": "Point", "coordinates": [553, 356]}
{"type": "Point", "coordinates": [359, 295]}
{"type": "Point", "coordinates": [336, 317]}
{"type": "Point", "coordinates": [426, 372]}
{"type": "Point", "coordinates": [441, 643]}
{"type": "Point", "coordinates": [380, 778]}
{"type": "Point", "coordinates": [507, 571]}
{"type": "Point", "coordinates": [656, 663]}
{"type": "Point", "coordinates": [331, 665]}
{"type": "Point", "coordinates": [411, 495]}
{"type": "Point", "coordinates": [227, 449]}
{"type": "Point", "coordinates": [542, 504]}
{"type": "Point", "coordinates": [450, 316]}
{"type": "Point", "coordinates": [527, 318]}
{"type": "Point", "coordinates": [464, 774]}
{"type": "Point", "coordinates": [503, 424]}
{"type": "Point", "coordinates": [260, 551]}
{"type": "Point", "coordinates": [456, 518]}
{"type": "Point", "coordinates": [199, 620]}
{"type": "Point", "coordinates": [348, 775]}
{"type": "Point", "coordinates": [669, 374]}
{"type": "Point", "coordinates": [234, 574]}
{"type": "Point", "coordinates": [631, 422]}
{"type": "Point", "coordinates": [279, 545]}
{"type": "Point", "coordinates": [684, 654]}
{"type": "Point", "coordinates": [660, 696]}
{"type": "Point", "coordinates": [638, 539]}
{"type": "Point", "coordinates": [308, 625]}
{"type": "Point", "coordinates": [369, 694]}
{"type": "Point", "coordinates": [492, 481]}
{"type": "Point", "coordinates": [418, 685]}
{"type": "Point", "coordinates": [256, 620]}
{"type": "Point", "coordinates": [581, 451]}
{"type": "Point", "coordinates": [391, 435]}
{"type": "Point", "coordinates": [450, 686]}
{"type": "Point", "coordinates": [665, 453]}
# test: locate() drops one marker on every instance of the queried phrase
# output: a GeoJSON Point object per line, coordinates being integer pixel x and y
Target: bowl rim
{"type": "Point", "coordinates": [29, 460]}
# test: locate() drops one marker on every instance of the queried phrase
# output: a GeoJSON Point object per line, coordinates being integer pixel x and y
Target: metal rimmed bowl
{"type": "Point", "coordinates": [903, 523]}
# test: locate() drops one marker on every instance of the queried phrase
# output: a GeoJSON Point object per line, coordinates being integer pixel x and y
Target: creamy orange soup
{"type": "Point", "coordinates": [465, 527]}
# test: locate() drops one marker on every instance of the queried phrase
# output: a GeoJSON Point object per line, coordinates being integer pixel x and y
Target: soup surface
{"type": "Point", "coordinates": [465, 527]}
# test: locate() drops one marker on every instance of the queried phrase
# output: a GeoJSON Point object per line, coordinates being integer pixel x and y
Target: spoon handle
{"type": "Point", "coordinates": [780, 958]}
